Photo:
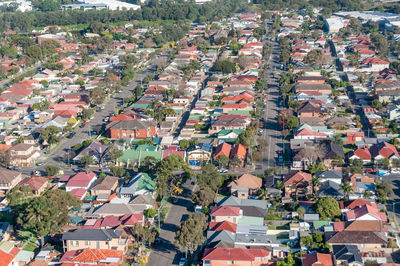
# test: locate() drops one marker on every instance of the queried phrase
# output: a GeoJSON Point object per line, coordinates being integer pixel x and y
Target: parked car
{"type": "Point", "coordinates": [182, 261]}
{"type": "Point", "coordinates": [395, 172]}
{"type": "Point", "coordinates": [77, 170]}
{"type": "Point", "coordinates": [105, 169]}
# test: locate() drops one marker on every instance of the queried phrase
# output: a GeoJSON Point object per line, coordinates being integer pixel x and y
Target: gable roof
{"type": "Point", "coordinates": [364, 210]}
{"type": "Point", "coordinates": [362, 153]}
{"type": "Point", "coordinates": [384, 149]}
{"type": "Point", "coordinates": [317, 259]}
{"type": "Point", "coordinates": [81, 179]}
{"type": "Point", "coordinates": [351, 204]}
{"type": "Point", "coordinates": [225, 211]}
{"type": "Point", "coordinates": [235, 254]}
{"type": "Point", "coordinates": [297, 178]}
{"type": "Point", "coordinates": [97, 255]}
{"type": "Point", "coordinates": [357, 237]}
{"type": "Point", "coordinates": [349, 253]}
{"type": "Point", "coordinates": [92, 234]}
{"type": "Point", "coordinates": [223, 149]}
{"type": "Point", "coordinates": [7, 176]}
{"type": "Point", "coordinates": [247, 180]}
{"type": "Point", "coordinates": [225, 225]}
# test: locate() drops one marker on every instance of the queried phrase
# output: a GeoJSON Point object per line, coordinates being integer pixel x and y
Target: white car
{"type": "Point", "coordinates": [395, 172]}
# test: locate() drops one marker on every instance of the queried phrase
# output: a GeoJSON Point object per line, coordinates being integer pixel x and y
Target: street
{"type": "Point", "coordinates": [166, 253]}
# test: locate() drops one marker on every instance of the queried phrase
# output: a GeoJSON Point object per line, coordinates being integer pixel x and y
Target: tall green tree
{"type": "Point", "coordinates": [327, 207]}
{"type": "Point", "coordinates": [190, 234]}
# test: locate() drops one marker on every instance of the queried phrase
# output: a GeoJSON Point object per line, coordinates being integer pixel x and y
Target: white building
{"type": "Point", "coordinates": [334, 24]}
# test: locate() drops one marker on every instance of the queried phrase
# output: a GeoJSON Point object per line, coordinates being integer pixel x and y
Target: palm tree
{"type": "Point", "coordinates": [366, 194]}
{"type": "Point", "coordinates": [262, 194]}
{"type": "Point", "coordinates": [316, 181]}
{"type": "Point", "coordinates": [347, 188]}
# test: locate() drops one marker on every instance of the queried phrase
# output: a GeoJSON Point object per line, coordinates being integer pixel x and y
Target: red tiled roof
{"type": "Point", "coordinates": [167, 153]}
{"type": "Point", "coordinates": [34, 182]}
{"type": "Point", "coordinates": [6, 258]}
{"type": "Point", "coordinates": [222, 149]}
{"type": "Point", "coordinates": [239, 150]}
{"type": "Point", "coordinates": [225, 225]}
{"type": "Point", "coordinates": [297, 177]}
{"type": "Point", "coordinates": [81, 179]}
{"type": "Point", "coordinates": [96, 255]}
{"type": "Point", "coordinates": [235, 254]}
{"type": "Point", "coordinates": [317, 259]}
{"type": "Point", "coordinates": [225, 211]}
{"type": "Point", "coordinates": [362, 153]}
{"type": "Point", "coordinates": [78, 193]}
{"type": "Point", "coordinates": [351, 204]}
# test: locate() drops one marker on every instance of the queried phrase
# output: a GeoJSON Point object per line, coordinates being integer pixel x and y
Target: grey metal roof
{"type": "Point", "coordinates": [226, 236]}
{"type": "Point", "coordinates": [253, 211]}
{"type": "Point", "coordinates": [236, 202]}
{"type": "Point", "coordinates": [92, 234]}
{"type": "Point", "coordinates": [251, 229]}
{"type": "Point", "coordinates": [256, 239]}
{"type": "Point", "coordinates": [348, 253]}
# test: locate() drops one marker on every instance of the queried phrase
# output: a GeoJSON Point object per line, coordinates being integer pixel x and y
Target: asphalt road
{"type": "Point", "coordinates": [59, 156]}
{"type": "Point", "coordinates": [166, 253]}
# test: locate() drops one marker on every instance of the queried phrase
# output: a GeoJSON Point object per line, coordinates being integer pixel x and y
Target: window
{"type": "Point", "coordinates": [74, 243]}
{"type": "Point", "coordinates": [87, 243]}
{"type": "Point", "coordinates": [97, 244]}
{"type": "Point", "coordinates": [259, 259]}
{"type": "Point", "coordinates": [230, 262]}
{"type": "Point", "coordinates": [206, 262]}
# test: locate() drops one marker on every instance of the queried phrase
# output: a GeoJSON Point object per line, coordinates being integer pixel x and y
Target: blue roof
{"type": "Point", "coordinates": [366, 186]}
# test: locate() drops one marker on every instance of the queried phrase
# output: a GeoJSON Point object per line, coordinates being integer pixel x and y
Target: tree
{"type": "Point", "coordinates": [246, 137]}
{"type": "Point", "coordinates": [50, 135]}
{"type": "Point", "coordinates": [150, 213]}
{"type": "Point", "coordinates": [97, 96]}
{"type": "Point", "coordinates": [225, 66]}
{"type": "Point", "coordinates": [86, 160]}
{"type": "Point", "coordinates": [145, 234]}
{"type": "Point", "coordinates": [203, 196]}
{"type": "Point", "coordinates": [316, 181]}
{"type": "Point", "coordinates": [301, 211]}
{"type": "Point", "coordinates": [337, 140]}
{"type": "Point", "coordinates": [222, 160]}
{"type": "Point", "coordinates": [316, 167]}
{"type": "Point", "coordinates": [87, 113]}
{"type": "Point", "coordinates": [366, 194]}
{"type": "Point", "coordinates": [292, 122]}
{"type": "Point", "coordinates": [19, 196]}
{"type": "Point", "coordinates": [51, 170]}
{"type": "Point", "coordinates": [190, 234]}
{"type": "Point", "coordinates": [376, 104]}
{"type": "Point", "coordinates": [117, 171]}
{"type": "Point", "coordinates": [209, 177]}
{"type": "Point", "coordinates": [48, 213]}
{"type": "Point", "coordinates": [383, 190]}
{"type": "Point", "coordinates": [347, 188]}
{"type": "Point", "coordinates": [327, 207]}
{"type": "Point", "coordinates": [114, 153]}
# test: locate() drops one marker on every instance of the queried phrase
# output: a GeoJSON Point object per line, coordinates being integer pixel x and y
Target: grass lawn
{"type": "Point", "coordinates": [346, 150]}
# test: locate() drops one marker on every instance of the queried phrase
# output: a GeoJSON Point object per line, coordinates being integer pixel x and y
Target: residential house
{"type": "Point", "coordinates": [95, 239]}
{"type": "Point", "coordinates": [81, 180]}
{"type": "Point", "coordinates": [347, 255]}
{"type": "Point", "coordinates": [199, 154]}
{"type": "Point", "coordinates": [365, 213]}
{"type": "Point", "coordinates": [317, 259]}
{"type": "Point", "coordinates": [9, 179]}
{"type": "Point", "coordinates": [298, 184]}
{"type": "Point", "coordinates": [37, 184]}
{"type": "Point", "coordinates": [236, 256]}
{"type": "Point", "coordinates": [140, 184]}
{"type": "Point", "coordinates": [225, 213]}
{"type": "Point", "coordinates": [134, 129]}
{"type": "Point", "coordinates": [364, 240]}
{"type": "Point", "coordinates": [384, 150]}
{"type": "Point", "coordinates": [104, 186]}
{"type": "Point", "coordinates": [245, 185]}
{"type": "Point", "coordinates": [222, 149]}
{"type": "Point", "coordinates": [24, 154]}
{"type": "Point", "coordinates": [95, 150]}
{"type": "Point", "coordinates": [361, 154]}
{"type": "Point", "coordinates": [93, 257]}
{"type": "Point", "coordinates": [239, 151]}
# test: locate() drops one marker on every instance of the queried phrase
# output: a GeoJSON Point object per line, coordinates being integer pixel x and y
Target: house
{"type": "Point", "coordinates": [330, 188]}
{"type": "Point", "coordinates": [239, 151]}
{"type": "Point", "coordinates": [222, 149]}
{"type": "Point", "coordinates": [317, 259]}
{"type": "Point", "coordinates": [95, 150]}
{"type": "Point", "coordinates": [229, 135]}
{"type": "Point", "coordinates": [361, 154]}
{"type": "Point", "coordinates": [354, 137]}
{"type": "Point", "coordinates": [198, 155]}
{"type": "Point", "coordinates": [365, 213]}
{"type": "Point", "coordinates": [225, 213]}
{"type": "Point", "coordinates": [384, 150]}
{"type": "Point", "coordinates": [93, 257]}
{"type": "Point", "coordinates": [104, 186]}
{"type": "Point", "coordinates": [37, 184]}
{"type": "Point", "coordinates": [352, 204]}
{"type": "Point", "coordinates": [225, 225]}
{"type": "Point", "coordinates": [81, 180]}
{"type": "Point", "coordinates": [347, 255]}
{"type": "Point", "coordinates": [298, 184]}
{"type": "Point", "coordinates": [237, 256]}
{"type": "Point", "coordinates": [245, 185]}
{"type": "Point", "coordinates": [330, 175]}
{"type": "Point", "coordinates": [95, 239]}
{"type": "Point", "coordinates": [9, 179]}
{"type": "Point", "coordinates": [24, 154]}
{"type": "Point", "coordinates": [364, 240]}
{"type": "Point", "coordinates": [140, 184]}
{"type": "Point", "coordinates": [134, 129]}
{"type": "Point", "coordinates": [394, 112]}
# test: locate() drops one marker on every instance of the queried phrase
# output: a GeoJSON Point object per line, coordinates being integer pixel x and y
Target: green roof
{"type": "Point", "coordinates": [225, 132]}
{"type": "Point", "coordinates": [317, 224]}
{"type": "Point", "coordinates": [248, 220]}
{"type": "Point", "coordinates": [238, 112]}
{"type": "Point", "coordinates": [146, 183]}
{"type": "Point", "coordinates": [133, 155]}
{"type": "Point", "coordinates": [144, 105]}
{"type": "Point", "coordinates": [146, 147]}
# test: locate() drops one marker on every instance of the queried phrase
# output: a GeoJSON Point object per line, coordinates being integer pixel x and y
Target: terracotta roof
{"type": "Point", "coordinates": [81, 179]}
{"type": "Point", "coordinates": [240, 150]}
{"type": "Point", "coordinates": [297, 178]}
{"type": "Point", "coordinates": [225, 211]}
{"type": "Point", "coordinates": [6, 258]}
{"type": "Point", "coordinates": [223, 149]}
{"type": "Point", "coordinates": [96, 255]}
{"type": "Point", "coordinates": [248, 181]}
{"type": "Point", "coordinates": [317, 259]}
{"type": "Point", "coordinates": [34, 182]}
{"type": "Point", "coordinates": [385, 149]}
{"type": "Point", "coordinates": [362, 153]}
{"type": "Point", "coordinates": [225, 225]}
{"type": "Point", "coordinates": [235, 254]}
{"type": "Point", "coordinates": [351, 204]}
{"type": "Point", "coordinates": [362, 225]}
